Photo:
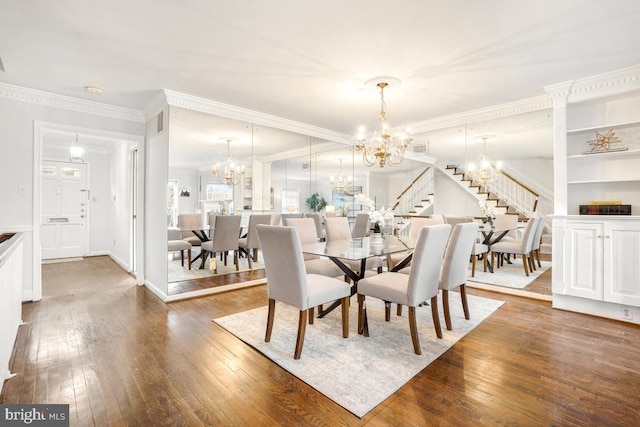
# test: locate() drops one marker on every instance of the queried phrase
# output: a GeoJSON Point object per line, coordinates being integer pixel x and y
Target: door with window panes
{"type": "Point", "coordinates": [63, 226]}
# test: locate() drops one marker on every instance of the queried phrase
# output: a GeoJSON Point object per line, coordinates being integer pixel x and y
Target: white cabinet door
{"type": "Point", "coordinates": [622, 263]}
{"type": "Point", "coordinates": [583, 259]}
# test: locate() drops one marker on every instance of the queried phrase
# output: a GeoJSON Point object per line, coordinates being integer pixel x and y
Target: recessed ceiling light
{"type": "Point", "coordinates": [93, 90]}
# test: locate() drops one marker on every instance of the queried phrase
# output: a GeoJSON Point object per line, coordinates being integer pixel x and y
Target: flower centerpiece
{"type": "Point", "coordinates": [488, 211]}
{"type": "Point", "coordinates": [378, 217]}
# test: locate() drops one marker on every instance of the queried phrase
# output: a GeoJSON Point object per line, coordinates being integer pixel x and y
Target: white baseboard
{"type": "Point", "coordinates": [596, 308]}
{"type": "Point", "coordinates": [157, 292]}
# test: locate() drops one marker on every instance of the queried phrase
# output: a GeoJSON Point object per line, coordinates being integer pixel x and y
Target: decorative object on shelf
{"type": "Point", "coordinates": [76, 151]}
{"type": "Point", "coordinates": [341, 181]}
{"type": "Point", "coordinates": [185, 192]}
{"type": "Point", "coordinates": [316, 202]}
{"type": "Point", "coordinates": [232, 174]}
{"type": "Point", "coordinates": [602, 143]}
{"type": "Point", "coordinates": [605, 207]}
{"type": "Point", "coordinates": [483, 172]}
{"type": "Point", "coordinates": [488, 212]}
{"type": "Point", "coordinates": [384, 148]}
{"type": "Point", "coordinates": [378, 217]}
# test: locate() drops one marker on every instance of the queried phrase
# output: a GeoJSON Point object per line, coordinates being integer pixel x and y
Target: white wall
{"type": "Point", "coordinates": [17, 171]}
{"type": "Point", "coordinates": [188, 179]}
{"type": "Point", "coordinates": [155, 242]}
{"type": "Point", "coordinates": [451, 199]}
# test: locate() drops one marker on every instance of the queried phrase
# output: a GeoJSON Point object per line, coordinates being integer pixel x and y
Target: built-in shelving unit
{"type": "Point", "coordinates": [591, 272]}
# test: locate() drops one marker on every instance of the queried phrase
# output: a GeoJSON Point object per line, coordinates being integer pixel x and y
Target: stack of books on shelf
{"type": "Point", "coordinates": [605, 207]}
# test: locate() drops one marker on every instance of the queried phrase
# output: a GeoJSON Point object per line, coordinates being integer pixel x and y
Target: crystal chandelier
{"type": "Point", "coordinates": [483, 172]}
{"type": "Point", "coordinates": [76, 151]}
{"type": "Point", "coordinates": [232, 173]}
{"type": "Point", "coordinates": [341, 181]}
{"type": "Point", "coordinates": [385, 148]}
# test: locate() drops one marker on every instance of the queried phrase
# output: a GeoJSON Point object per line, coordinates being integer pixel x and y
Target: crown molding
{"type": "Point", "coordinates": [48, 99]}
{"type": "Point", "coordinates": [155, 105]}
{"type": "Point", "coordinates": [528, 105]}
{"type": "Point", "coordinates": [598, 86]}
{"type": "Point", "coordinates": [195, 103]}
{"type": "Point", "coordinates": [607, 84]}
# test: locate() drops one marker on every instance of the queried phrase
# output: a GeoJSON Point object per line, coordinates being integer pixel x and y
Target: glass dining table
{"type": "Point", "coordinates": [358, 249]}
{"type": "Point", "coordinates": [491, 236]}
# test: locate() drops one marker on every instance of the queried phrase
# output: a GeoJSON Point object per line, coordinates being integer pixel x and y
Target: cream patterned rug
{"type": "Point", "coordinates": [178, 273]}
{"type": "Point", "coordinates": [358, 373]}
{"type": "Point", "coordinates": [509, 275]}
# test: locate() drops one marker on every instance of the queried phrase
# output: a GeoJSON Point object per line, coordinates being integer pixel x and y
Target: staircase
{"type": "Point", "coordinates": [416, 199]}
{"type": "Point", "coordinates": [506, 195]}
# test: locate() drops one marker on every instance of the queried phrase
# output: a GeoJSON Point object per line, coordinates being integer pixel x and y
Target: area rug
{"type": "Point", "coordinates": [178, 273]}
{"type": "Point", "coordinates": [358, 373]}
{"type": "Point", "coordinates": [509, 275]}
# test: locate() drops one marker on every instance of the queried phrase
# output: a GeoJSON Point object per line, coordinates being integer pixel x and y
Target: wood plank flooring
{"type": "Point", "coordinates": [119, 356]}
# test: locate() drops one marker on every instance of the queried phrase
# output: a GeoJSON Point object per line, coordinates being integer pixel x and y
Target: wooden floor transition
{"type": "Point", "coordinates": [119, 356]}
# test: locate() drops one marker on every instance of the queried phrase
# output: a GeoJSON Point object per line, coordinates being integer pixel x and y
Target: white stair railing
{"type": "Point", "coordinates": [416, 198]}
{"type": "Point", "coordinates": [515, 194]}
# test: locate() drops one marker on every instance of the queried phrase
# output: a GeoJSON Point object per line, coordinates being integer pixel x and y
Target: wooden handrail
{"type": "Point", "coordinates": [520, 184]}
{"type": "Point", "coordinates": [413, 182]}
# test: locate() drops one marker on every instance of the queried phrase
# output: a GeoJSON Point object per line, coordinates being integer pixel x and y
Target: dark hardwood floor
{"type": "Point", "coordinates": [119, 356]}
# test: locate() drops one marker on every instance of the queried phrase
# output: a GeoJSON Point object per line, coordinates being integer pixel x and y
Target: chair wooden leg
{"type": "Point", "coordinates": [311, 316]}
{"type": "Point", "coordinates": [473, 266]}
{"type": "Point", "coordinates": [465, 305]}
{"type": "Point", "coordinates": [413, 327]}
{"type": "Point", "coordinates": [302, 327]}
{"type": "Point", "coordinates": [189, 257]}
{"type": "Point", "coordinates": [493, 259]}
{"type": "Point", "coordinates": [182, 257]}
{"type": "Point", "coordinates": [255, 254]}
{"type": "Point", "coordinates": [538, 257]}
{"type": "Point", "coordinates": [320, 308]}
{"type": "Point", "coordinates": [387, 311]}
{"type": "Point", "coordinates": [436, 316]}
{"type": "Point", "coordinates": [360, 313]}
{"type": "Point", "coordinates": [250, 260]}
{"type": "Point", "coordinates": [399, 310]}
{"type": "Point", "coordinates": [524, 264]}
{"type": "Point", "coordinates": [345, 317]}
{"type": "Point", "coordinates": [532, 262]}
{"type": "Point", "coordinates": [445, 306]}
{"type": "Point", "coordinates": [484, 261]}
{"type": "Point", "coordinates": [270, 315]}
{"type": "Point", "coordinates": [380, 270]}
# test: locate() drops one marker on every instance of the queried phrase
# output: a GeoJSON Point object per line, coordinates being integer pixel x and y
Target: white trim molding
{"type": "Point", "coordinates": [529, 105]}
{"type": "Point", "coordinates": [195, 103]}
{"type": "Point", "coordinates": [48, 99]}
{"type": "Point", "coordinates": [601, 85]}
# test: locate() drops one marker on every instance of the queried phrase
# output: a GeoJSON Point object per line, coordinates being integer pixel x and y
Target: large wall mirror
{"type": "Point", "coordinates": [286, 173]}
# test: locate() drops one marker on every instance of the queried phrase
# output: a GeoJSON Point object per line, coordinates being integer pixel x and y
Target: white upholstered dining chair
{"type": "Point", "coordinates": [419, 285]}
{"type": "Point", "coordinates": [455, 265]}
{"type": "Point", "coordinates": [224, 239]}
{"type": "Point", "coordinates": [250, 243]}
{"type": "Point", "coordinates": [306, 231]}
{"type": "Point", "coordinates": [338, 229]}
{"type": "Point", "coordinates": [518, 247]}
{"type": "Point", "coordinates": [288, 282]}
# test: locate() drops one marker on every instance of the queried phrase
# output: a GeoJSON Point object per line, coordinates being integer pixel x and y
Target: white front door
{"type": "Point", "coordinates": [64, 209]}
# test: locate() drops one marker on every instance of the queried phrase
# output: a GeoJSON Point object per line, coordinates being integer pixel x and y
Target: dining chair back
{"type": "Point", "coordinates": [507, 222]}
{"type": "Point", "coordinates": [318, 223]}
{"type": "Point", "coordinates": [251, 243]}
{"type": "Point", "coordinates": [420, 285]}
{"type": "Point", "coordinates": [535, 245]}
{"type": "Point", "coordinates": [455, 270]}
{"type": "Point", "coordinates": [211, 216]}
{"type": "Point", "coordinates": [361, 226]}
{"type": "Point", "coordinates": [337, 228]}
{"type": "Point", "coordinates": [306, 232]}
{"type": "Point", "coordinates": [188, 222]}
{"type": "Point", "coordinates": [288, 282]}
{"type": "Point", "coordinates": [275, 218]}
{"type": "Point", "coordinates": [418, 222]}
{"type": "Point", "coordinates": [518, 247]}
{"type": "Point", "coordinates": [224, 239]}
{"type": "Point", "coordinates": [479, 249]}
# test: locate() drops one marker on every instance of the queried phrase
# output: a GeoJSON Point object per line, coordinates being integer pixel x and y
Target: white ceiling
{"type": "Point", "coordinates": [307, 61]}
